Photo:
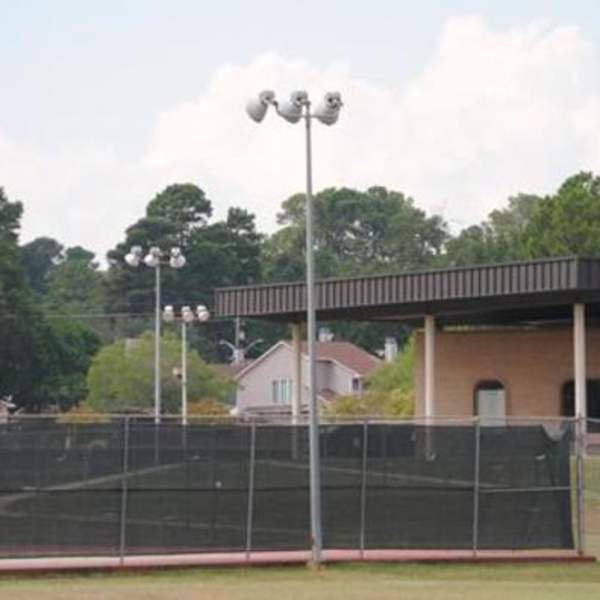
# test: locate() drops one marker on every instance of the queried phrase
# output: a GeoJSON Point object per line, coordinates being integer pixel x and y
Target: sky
{"type": "Point", "coordinates": [458, 104]}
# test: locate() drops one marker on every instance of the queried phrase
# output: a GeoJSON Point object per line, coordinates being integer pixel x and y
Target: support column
{"type": "Point", "coordinates": [579, 356]}
{"type": "Point", "coordinates": [297, 391]}
{"type": "Point", "coordinates": [429, 366]}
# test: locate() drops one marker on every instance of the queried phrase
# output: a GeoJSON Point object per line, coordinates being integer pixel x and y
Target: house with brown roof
{"type": "Point", "coordinates": [266, 385]}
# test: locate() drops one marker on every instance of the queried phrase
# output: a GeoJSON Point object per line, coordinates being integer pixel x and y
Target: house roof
{"type": "Point", "coordinates": [504, 292]}
{"type": "Point", "coordinates": [346, 354]}
{"type": "Point", "coordinates": [230, 370]}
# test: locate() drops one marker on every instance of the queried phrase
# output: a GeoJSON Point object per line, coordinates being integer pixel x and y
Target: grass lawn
{"type": "Point", "coordinates": [343, 582]}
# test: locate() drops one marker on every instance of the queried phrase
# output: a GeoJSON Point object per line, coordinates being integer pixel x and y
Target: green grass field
{"type": "Point", "coordinates": [343, 582]}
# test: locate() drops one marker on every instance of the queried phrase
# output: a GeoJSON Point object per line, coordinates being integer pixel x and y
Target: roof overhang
{"type": "Point", "coordinates": [505, 293]}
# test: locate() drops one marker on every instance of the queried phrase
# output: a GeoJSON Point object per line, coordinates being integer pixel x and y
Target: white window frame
{"type": "Point", "coordinates": [281, 391]}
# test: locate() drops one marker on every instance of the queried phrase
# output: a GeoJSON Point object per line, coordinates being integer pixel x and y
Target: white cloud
{"type": "Point", "coordinates": [493, 112]}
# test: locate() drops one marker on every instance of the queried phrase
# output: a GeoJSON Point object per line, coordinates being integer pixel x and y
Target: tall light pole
{"type": "Point", "coordinates": [298, 107]}
{"type": "Point", "coordinates": [153, 259]}
{"type": "Point", "coordinates": [187, 316]}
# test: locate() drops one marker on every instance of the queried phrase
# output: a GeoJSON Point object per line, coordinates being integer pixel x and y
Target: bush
{"type": "Point", "coordinates": [390, 391]}
{"type": "Point", "coordinates": [121, 377]}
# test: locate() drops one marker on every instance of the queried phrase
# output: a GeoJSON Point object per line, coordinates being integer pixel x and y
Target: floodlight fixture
{"type": "Point", "coordinates": [177, 260]}
{"type": "Point", "coordinates": [291, 110]}
{"type": "Point", "coordinates": [152, 259]}
{"type": "Point", "coordinates": [134, 257]}
{"type": "Point", "coordinates": [257, 107]}
{"type": "Point", "coordinates": [328, 111]}
{"type": "Point", "coordinates": [169, 313]}
{"type": "Point", "coordinates": [202, 313]}
{"type": "Point", "coordinates": [187, 314]}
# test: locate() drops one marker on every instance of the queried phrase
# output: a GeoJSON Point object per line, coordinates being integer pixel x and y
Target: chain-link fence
{"type": "Point", "coordinates": [123, 486]}
{"type": "Point", "coordinates": [590, 482]}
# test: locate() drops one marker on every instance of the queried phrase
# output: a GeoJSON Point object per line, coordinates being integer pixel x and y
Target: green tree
{"type": "Point", "coordinates": [73, 346]}
{"type": "Point", "coordinates": [356, 232]}
{"type": "Point", "coordinates": [390, 390]}
{"type": "Point", "coordinates": [121, 377]}
{"type": "Point", "coordinates": [499, 238]}
{"type": "Point", "coordinates": [567, 222]}
{"type": "Point", "coordinates": [39, 257]}
{"type": "Point", "coordinates": [184, 205]}
{"type": "Point", "coordinates": [219, 253]}
{"type": "Point", "coordinates": [76, 286]}
{"type": "Point", "coordinates": [26, 343]}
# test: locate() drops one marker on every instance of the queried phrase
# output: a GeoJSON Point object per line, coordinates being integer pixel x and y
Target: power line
{"type": "Point", "coordinates": [115, 315]}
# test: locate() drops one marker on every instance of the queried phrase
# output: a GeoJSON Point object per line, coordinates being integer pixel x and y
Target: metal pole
{"type": "Point", "coordinates": [250, 514]}
{"type": "Point", "coordinates": [580, 427]}
{"type": "Point", "coordinates": [157, 406]}
{"type": "Point", "coordinates": [122, 540]}
{"type": "Point", "coordinates": [237, 356]}
{"type": "Point", "coordinates": [579, 359]}
{"type": "Point", "coordinates": [429, 366]}
{"type": "Point", "coordinates": [315, 483]}
{"type": "Point", "coordinates": [476, 483]}
{"type": "Point", "coordinates": [363, 491]}
{"type": "Point", "coordinates": [184, 399]}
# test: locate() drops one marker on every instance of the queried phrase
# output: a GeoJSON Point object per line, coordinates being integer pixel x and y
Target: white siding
{"type": "Point", "coordinates": [255, 386]}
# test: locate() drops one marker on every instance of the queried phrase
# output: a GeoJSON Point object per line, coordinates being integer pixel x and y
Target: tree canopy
{"type": "Point", "coordinates": [218, 253]}
{"type": "Point", "coordinates": [121, 377]}
{"type": "Point", "coordinates": [567, 222]}
{"type": "Point", "coordinates": [59, 307]}
{"type": "Point", "coordinates": [356, 232]}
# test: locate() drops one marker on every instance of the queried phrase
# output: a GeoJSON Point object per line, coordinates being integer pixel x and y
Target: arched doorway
{"type": "Point", "coordinates": [567, 399]}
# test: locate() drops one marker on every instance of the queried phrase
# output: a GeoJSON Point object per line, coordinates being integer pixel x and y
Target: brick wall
{"type": "Point", "coordinates": [532, 365]}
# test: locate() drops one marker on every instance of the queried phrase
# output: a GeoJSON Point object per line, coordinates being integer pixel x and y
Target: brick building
{"type": "Point", "coordinates": [510, 339]}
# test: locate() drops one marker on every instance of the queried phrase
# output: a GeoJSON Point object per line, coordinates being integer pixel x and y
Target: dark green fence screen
{"type": "Point", "coordinates": [132, 487]}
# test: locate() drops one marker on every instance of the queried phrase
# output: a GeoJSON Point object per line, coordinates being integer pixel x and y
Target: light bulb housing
{"type": "Point", "coordinates": [177, 259]}
{"type": "Point", "coordinates": [328, 111]}
{"type": "Point", "coordinates": [257, 107]}
{"type": "Point", "coordinates": [187, 314]}
{"type": "Point", "coordinates": [132, 260]}
{"type": "Point", "coordinates": [152, 259]}
{"type": "Point", "coordinates": [134, 257]}
{"type": "Point", "coordinates": [202, 313]}
{"type": "Point", "coordinates": [291, 110]}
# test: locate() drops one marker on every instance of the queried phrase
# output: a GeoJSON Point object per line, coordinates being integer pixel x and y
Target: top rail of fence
{"type": "Point", "coordinates": [258, 420]}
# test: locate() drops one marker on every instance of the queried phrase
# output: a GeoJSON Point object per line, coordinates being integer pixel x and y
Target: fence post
{"type": "Point", "coordinates": [125, 471]}
{"type": "Point", "coordinates": [250, 514]}
{"type": "Point", "coordinates": [580, 426]}
{"type": "Point", "coordinates": [476, 483]}
{"type": "Point", "coordinates": [363, 491]}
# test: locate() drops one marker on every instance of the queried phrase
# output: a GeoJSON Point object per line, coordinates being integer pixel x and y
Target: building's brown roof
{"type": "Point", "coordinates": [525, 291]}
{"type": "Point", "coordinates": [347, 354]}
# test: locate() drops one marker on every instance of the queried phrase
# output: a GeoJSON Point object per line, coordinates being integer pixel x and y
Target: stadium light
{"type": "Point", "coordinates": [187, 317]}
{"type": "Point", "coordinates": [153, 259]}
{"type": "Point", "coordinates": [296, 108]}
